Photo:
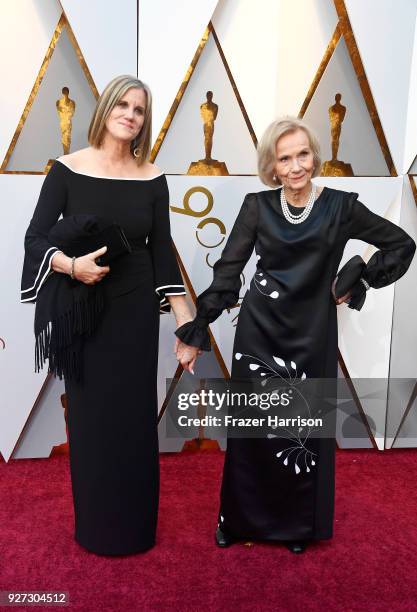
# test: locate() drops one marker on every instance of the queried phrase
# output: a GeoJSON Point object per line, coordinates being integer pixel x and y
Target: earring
{"type": "Point", "coordinates": [274, 178]}
{"type": "Point", "coordinates": [135, 149]}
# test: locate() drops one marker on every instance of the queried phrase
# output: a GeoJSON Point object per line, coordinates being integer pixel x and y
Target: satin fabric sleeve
{"type": "Point", "coordinates": [167, 275]}
{"type": "Point", "coordinates": [224, 290]}
{"type": "Point", "coordinates": [396, 247]}
{"type": "Point", "coordinates": [38, 251]}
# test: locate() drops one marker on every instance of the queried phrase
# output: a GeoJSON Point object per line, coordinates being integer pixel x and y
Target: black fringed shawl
{"type": "Point", "coordinates": [68, 310]}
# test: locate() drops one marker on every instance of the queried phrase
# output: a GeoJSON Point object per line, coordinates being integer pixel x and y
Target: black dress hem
{"type": "Point", "coordinates": [103, 553]}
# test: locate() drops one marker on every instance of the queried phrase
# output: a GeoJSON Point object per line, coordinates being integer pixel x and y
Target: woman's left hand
{"type": "Point", "coordinates": [344, 298]}
{"type": "Point", "coordinates": [186, 355]}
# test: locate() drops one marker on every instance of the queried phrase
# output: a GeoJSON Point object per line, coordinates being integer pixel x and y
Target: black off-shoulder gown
{"type": "Point", "coordinates": [112, 411]}
{"type": "Point", "coordinates": [278, 489]}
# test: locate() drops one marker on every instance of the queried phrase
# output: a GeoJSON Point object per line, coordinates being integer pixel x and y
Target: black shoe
{"type": "Point", "coordinates": [222, 540]}
{"type": "Point", "coordinates": [296, 547]}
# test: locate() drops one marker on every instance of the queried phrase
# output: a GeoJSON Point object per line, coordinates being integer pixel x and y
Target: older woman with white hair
{"type": "Point", "coordinates": [99, 277]}
{"type": "Point", "coordinates": [283, 488]}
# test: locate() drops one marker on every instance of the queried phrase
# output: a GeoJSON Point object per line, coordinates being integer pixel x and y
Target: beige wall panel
{"type": "Point", "coordinates": [249, 34]}
{"type": "Point", "coordinates": [107, 35]}
{"type": "Point", "coordinates": [169, 34]}
{"type": "Point", "coordinates": [365, 336]}
{"type": "Point", "coordinates": [411, 128]}
{"type": "Point", "coordinates": [274, 48]}
{"type": "Point", "coordinates": [403, 361]}
{"type": "Point", "coordinates": [19, 383]}
{"type": "Point", "coordinates": [304, 29]}
{"type": "Point", "coordinates": [26, 28]}
{"type": "Point", "coordinates": [384, 32]}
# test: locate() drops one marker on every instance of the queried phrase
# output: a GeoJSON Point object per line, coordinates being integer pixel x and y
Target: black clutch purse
{"type": "Point", "coordinates": [117, 244]}
{"type": "Point", "coordinates": [78, 235]}
{"type": "Point", "coordinates": [349, 279]}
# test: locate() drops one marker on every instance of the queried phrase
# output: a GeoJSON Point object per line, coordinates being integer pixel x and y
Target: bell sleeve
{"type": "Point", "coordinates": [390, 262]}
{"type": "Point", "coordinates": [224, 290]}
{"type": "Point", "coordinates": [167, 275]}
{"type": "Point", "coordinates": [38, 251]}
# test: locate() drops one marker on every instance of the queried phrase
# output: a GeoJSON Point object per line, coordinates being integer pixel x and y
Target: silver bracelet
{"type": "Point", "coordinates": [72, 267]}
{"type": "Point", "coordinates": [364, 283]}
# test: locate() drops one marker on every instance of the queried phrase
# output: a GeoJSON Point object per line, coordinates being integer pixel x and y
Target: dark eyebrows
{"type": "Point", "coordinates": [141, 108]}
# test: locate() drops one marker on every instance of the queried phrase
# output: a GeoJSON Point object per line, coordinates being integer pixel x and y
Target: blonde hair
{"type": "Point", "coordinates": [267, 147]}
{"type": "Point", "coordinates": [111, 95]}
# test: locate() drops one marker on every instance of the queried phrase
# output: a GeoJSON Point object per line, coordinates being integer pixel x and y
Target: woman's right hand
{"type": "Point", "coordinates": [87, 271]}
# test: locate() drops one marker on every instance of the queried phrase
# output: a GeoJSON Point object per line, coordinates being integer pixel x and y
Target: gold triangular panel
{"type": "Point", "coordinates": [209, 130]}
{"type": "Point", "coordinates": [59, 108]}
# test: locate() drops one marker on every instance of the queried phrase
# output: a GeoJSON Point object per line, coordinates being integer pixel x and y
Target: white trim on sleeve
{"type": "Point", "coordinates": [47, 272]}
{"type": "Point", "coordinates": [40, 270]}
{"type": "Point", "coordinates": [168, 287]}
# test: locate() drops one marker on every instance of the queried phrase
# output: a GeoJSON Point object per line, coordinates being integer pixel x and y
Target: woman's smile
{"type": "Point", "coordinates": [127, 124]}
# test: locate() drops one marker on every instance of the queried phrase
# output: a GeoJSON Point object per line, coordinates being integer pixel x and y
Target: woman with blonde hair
{"type": "Point", "coordinates": [97, 314]}
{"type": "Point", "coordinates": [282, 488]}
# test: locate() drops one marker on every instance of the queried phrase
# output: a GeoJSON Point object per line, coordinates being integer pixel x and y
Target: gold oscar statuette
{"type": "Point", "coordinates": [335, 167]}
{"type": "Point", "coordinates": [65, 108]}
{"type": "Point", "coordinates": [208, 166]}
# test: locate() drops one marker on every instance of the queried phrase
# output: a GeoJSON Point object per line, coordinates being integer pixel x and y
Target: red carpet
{"type": "Point", "coordinates": [369, 565]}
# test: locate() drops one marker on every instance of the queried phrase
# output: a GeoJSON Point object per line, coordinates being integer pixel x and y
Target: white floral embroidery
{"type": "Point", "coordinates": [296, 438]}
{"type": "Point", "coordinates": [261, 282]}
{"type": "Point", "coordinates": [269, 372]}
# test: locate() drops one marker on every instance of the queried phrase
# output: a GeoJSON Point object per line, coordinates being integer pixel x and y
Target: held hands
{"type": "Point", "coordinates": [186, 355]}
{"type": "Point", "coordinates": [87, 271]}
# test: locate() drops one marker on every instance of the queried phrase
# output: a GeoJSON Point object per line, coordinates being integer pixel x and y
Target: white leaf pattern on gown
{"type": "Point", "coordinates": [261, 280]}
{"type": "Point", "coordinates": [298, 442]}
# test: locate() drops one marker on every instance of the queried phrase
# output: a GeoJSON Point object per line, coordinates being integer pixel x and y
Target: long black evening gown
{"type": "Point", "coordinates": [274, 489]}
{"type": "Point", "coordinates": [112, 412]}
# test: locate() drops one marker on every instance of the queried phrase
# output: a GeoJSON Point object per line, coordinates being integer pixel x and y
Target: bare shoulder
{"type": "Point", "coordinates": [149, 170]}
{"type": "Point", "coordinates": [77, 159]}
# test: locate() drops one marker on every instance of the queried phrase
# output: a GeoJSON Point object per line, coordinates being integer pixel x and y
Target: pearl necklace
{"type": "Point", "coordinates": [291, 217]}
